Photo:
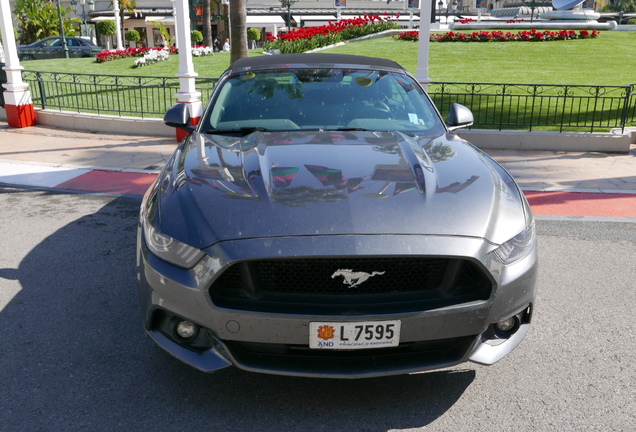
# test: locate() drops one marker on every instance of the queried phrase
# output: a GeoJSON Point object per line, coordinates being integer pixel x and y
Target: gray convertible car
{"type": "Point", "coordinates": [322, 220]}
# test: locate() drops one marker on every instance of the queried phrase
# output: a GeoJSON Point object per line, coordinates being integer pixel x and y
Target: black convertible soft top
{"type": "Point", "coordinates": [320, 59]}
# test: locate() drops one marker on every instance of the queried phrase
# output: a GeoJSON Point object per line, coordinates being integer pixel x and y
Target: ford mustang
{"type": "Point", "coordinates": [322, 220]}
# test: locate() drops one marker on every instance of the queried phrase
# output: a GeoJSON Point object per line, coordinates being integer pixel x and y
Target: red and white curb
{"type": "Point", "coordinates": [96, 180]}
{"type": "Point", "coordinates": [566, 203]}
{"type": "Point", "coordinates": [583, 204]}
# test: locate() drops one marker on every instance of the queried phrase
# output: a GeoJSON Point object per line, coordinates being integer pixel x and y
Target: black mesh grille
{"type": "Point", "coordinates": [407, 356]}
{"type": "Point", "coordinates": [323, 276]}
{"type": "Point", "coordinates": [362, 285]}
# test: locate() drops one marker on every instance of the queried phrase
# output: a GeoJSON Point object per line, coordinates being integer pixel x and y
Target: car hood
{"type": "Point", "coordinates": [267, 184]}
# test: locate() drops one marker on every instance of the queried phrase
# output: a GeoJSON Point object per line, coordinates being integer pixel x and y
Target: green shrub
{"type": "Point", "coordinates": [196, 36]}
{"type": "Point", "coordinates": [253, 34]}
{"type": "Point", "coordinates": [133, 36]}
{"type": "Point", "coordinates": [107, 27]}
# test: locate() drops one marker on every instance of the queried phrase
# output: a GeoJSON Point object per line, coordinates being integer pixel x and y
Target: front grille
{"type": "Point", "coordinates": [319, 276]}
{"type": "Point", "coordinates": [376, 285]}
{"type": "Point", "coordinates": [303, 360]}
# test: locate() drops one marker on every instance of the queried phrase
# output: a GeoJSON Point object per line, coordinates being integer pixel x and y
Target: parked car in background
{"type": "Point", "coordinates": [321, 220]}
{"type": "Point", "coordinates": [52, 47]}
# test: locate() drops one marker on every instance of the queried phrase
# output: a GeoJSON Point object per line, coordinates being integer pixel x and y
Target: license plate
{"type": "Point", "coordinates": [354, 335]}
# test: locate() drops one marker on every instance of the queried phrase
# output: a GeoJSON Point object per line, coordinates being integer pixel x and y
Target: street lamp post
{"type": "Point", "coordinates": [59, 14]}
{"type": "Point", "coordinates": [288, 4]}
{"type": "Point", "coordinates": [84, 15]}
{"type": "Point", "coordinates": [451, 8]}
{"type": "Point", "coordinates": [533, 5]}
{"type": "Point", "coordinates": [440, 3]}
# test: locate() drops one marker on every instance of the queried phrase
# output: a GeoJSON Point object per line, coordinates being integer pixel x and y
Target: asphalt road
{"type": "Point", "coordinates": [73, 355]}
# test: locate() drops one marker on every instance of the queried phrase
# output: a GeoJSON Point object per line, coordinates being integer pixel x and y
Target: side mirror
{"type": "Point", "coordinates": [459, 117]}
{"type": "Point", "coordinates": [178, 116]}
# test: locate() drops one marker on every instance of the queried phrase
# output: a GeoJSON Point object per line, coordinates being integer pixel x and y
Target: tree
{"type": "Point", "coordinates": [253, 34]}
{"type": "Point", "coordinates": [38, 19]}
{"type": "Point", "coordinates": [207, 23]}
{"type": "Point", "coordinates": [619, 6]}
{"type": "Point", "coordinates": [107, 28]}
{"type": "Point", "coordinates": [133, 36]}
{"type": "Point", "coordinates": [196, 37]}
{"type": "Point", "coordinates": [125, 6]}
{"type": "Point", "coordinates": [238, 18]}
{"type": "Point", "coordinates": [164, 32]}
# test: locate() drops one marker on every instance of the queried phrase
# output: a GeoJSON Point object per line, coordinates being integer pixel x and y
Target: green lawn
{"type": "Point", "coordinates": [607, 60]}
{"type": "Point", "coordinates": [206, 67]}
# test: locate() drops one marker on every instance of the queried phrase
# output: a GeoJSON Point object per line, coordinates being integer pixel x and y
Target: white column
{"type": "Point", "coordinates": [424, 41]}
{"type": "Point", "coordinates": [187, 91]}
{"type": "Point", "coordinates": [176, 24]}
{"type": "Point", "coordinates": [120, 45]}
{"type": "Point", "coordinates": [8, 38]}
{"type": "Point", "coordinates": [186, 75]}
{"type": "Point", "coordinates": [17, 97]}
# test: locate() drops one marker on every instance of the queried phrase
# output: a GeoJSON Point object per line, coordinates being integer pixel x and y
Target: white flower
{"type": "Point", "coordinates": [202, 51]}
{"type": "Point", "coordinates": [153, 56]}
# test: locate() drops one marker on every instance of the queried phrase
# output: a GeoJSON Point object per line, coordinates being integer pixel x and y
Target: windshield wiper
{"type": "Point", "coordinates": [242, 130]}
{"type": "Point", "coordinates": [349, 129]}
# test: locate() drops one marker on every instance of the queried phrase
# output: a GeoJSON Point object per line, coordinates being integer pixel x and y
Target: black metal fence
{"type": "Point", "coordinates": [541, 106]}
{"type": "Point", "coordinates": [495, 106]}
{"type": "Point", "coordinates": [136, 96]}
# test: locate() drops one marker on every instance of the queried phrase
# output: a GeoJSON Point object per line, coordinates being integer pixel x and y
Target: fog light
{"type": "Point", "coordinates": [507, 324]}
{"type": "Point", "coordinates": [186, 330]}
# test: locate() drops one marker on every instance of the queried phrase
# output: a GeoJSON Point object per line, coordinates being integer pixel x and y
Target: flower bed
{"type": "Point", "coordinates": [202, 50]}
{"type": "Point", "coordinates": [308, 38]}
{"type": "Point", "coordinates": [153, 56]}
{"type": "Point", "coordinates": [108, 55]}
{"type": "Point", "coordinates": [500, 36]}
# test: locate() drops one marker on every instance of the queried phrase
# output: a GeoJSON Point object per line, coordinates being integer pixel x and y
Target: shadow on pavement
{"type": "Point", "coordinates": [73, 356]}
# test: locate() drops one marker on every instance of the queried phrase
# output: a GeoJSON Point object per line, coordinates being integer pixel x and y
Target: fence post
{"type": "Point", "coordinates": [594, 111]}
{"type": "Point", "coordinates": [96, 93]}
{"type": "Point", "coordinates": [628, 96]}
{"type": "Point", "coordinates": [78, 94]}
{"type": "Point", "coordinates": [503, 104]}
{"type": "Point", "coordinates": [42, 89]}
{"type": "Point", "coordinates": [565, 101]}
{"type": "Point", "coordinates": [141, 95]}
{"type": "Point", "coordinates": [118, 86]}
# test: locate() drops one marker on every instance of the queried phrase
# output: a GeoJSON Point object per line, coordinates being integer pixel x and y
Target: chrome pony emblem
{"type": "Point", "coordinates": [352, 278]}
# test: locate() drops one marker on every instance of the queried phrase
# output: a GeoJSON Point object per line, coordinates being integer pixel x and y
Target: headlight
{"type": "Point", "coordinates": [169, 249]}
{"type": "Point", "coordinates": [517, 247]}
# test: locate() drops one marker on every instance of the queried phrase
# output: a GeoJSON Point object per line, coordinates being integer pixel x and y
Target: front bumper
{"type": "Point", "coordinates": [277, 343]}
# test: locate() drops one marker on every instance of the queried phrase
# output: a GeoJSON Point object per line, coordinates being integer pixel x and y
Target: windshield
{"type": "Point", "coordinates": [321, 99]}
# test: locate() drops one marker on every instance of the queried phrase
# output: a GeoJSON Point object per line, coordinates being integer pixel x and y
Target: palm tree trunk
{"type": "Point", "coordinates": [238, 18]}
{"type": "Point", "coordinates": [207, 24]}
{"type": "Point", "coordinates": [121, 25]}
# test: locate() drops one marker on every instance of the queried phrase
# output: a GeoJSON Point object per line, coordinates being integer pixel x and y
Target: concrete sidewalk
{"type": "Point", "coordinates": [62, 148]}
{"type": "Point", "coordinates": [126, 164]}
{"type": "Point", "coordinates": [534, 170]}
